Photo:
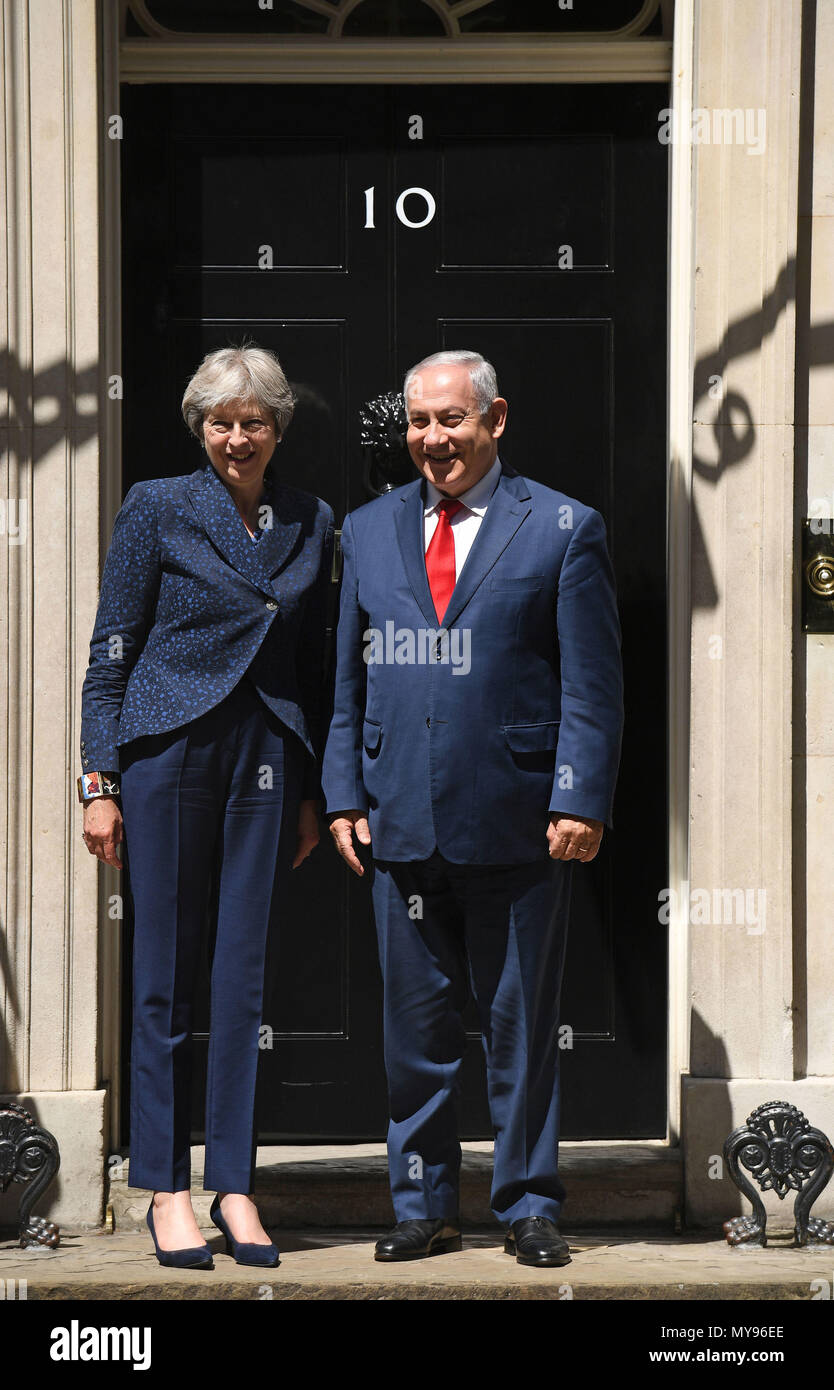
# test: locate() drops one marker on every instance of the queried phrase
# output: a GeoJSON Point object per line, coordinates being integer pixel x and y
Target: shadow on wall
{"type": "Point", "coordinates": [43, 412]}
{"type": "Point", "coordinates": [36, 411]}
{"type": "Point", "coordinates": [732, 418]}
{"type": "Point", "coordinates": [709, 1188]}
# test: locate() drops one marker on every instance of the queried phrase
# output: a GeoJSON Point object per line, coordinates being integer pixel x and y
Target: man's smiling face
{"type": "Point", "coordinates": [450, 441]}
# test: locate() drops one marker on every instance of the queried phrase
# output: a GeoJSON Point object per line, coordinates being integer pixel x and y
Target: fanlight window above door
{"type": "Point", "coordinates": [422, 19]}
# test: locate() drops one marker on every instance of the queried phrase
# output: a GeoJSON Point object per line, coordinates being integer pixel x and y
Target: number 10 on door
{"type": "Point", "coordinates": [399, 207]}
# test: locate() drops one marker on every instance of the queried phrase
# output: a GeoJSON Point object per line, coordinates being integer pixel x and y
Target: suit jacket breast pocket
{"type": "Point", "coordinates": [518, 583]}
{"type": "Point", "coordinates": [533, 746]}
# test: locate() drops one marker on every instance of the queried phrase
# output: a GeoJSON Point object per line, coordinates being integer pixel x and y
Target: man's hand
{"type": "Point", "coordinates": [570, 838]}
{"type": "Point", "coordinates": [103, 829]}
{"type": "Point", "coordinates": [342, 828]}
{"type": "Point", "coordinates": [308, 831]}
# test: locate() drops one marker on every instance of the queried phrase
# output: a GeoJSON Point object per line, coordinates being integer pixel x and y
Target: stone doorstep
{"type": "Point", "coordinates": [339, 1265]}
{"type": "Point", "coordinates": [332, 1186]}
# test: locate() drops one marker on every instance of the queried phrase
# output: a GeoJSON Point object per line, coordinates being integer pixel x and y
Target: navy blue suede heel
{"type": "Point", "coordinates": [244, 1254]}
{"type": "Point", "coordinates": [197, 1257]}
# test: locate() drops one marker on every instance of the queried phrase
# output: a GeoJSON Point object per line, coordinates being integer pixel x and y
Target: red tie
{"type": "Point", "coordinates": [440, 557]}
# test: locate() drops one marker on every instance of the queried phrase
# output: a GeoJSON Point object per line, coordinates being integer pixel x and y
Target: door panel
{"type": "Point", "coordinates": [530, 236]}
{"type": "Point", "coordinates": [534, 231]}
{"type": "Point", "coordinates": [216, 190]}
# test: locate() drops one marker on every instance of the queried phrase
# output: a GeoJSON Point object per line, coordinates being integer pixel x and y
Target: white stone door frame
{"type": "Point", "coordinates": [498, 60]}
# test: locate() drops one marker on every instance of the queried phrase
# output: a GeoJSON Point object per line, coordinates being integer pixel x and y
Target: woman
{"type": "Point", "coordinates": [201, 711]}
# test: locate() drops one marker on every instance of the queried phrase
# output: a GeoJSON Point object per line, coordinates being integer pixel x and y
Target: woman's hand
{"type": "Point", "coordinates": [308, 831]}
{"type": "Point", "coordinates": [103, 829]}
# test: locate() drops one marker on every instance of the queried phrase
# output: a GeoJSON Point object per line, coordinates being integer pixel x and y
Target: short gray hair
{"type": "Point", "coordinates": [482, 372]}
{"type": "Point", "coordinates": [240, 373]}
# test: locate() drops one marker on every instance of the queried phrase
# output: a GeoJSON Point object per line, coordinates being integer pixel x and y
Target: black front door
{"type": "Point", "coordinates": [354, 230]}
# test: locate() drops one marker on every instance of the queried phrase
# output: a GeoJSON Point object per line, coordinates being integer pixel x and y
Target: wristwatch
{"type": "Point", "coordinates": [95, 784]}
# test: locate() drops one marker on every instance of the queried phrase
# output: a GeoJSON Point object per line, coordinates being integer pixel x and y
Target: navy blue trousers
{"type": "Point", "coordinates": [212, 803]}
{"type": "Point", "coordinates": [500, 931]}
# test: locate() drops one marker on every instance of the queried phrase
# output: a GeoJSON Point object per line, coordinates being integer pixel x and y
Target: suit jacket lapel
{"type": "Point", "coordinates": [408, 519]}
{"type": "Point", "coordinates": [258, 560]}
{"type": "Point", "coordinates": [507, 509]}
{"type": "Point", "coordinates": [277, 541]}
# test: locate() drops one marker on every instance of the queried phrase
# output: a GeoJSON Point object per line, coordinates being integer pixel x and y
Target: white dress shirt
{"type": "Point", "coordinates": [465, 524]}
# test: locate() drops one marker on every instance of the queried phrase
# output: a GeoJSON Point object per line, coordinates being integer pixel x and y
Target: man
{"type": "Point", "coordinates": [474, 746]}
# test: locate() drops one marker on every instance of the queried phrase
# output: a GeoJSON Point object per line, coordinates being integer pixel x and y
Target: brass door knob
{"type": "Point", "coordinates": [819, 572]}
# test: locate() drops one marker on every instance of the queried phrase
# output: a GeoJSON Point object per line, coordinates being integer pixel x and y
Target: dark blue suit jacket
{"type": "Point", "coordinates": [471, 762]}
{"type": "Point", "coordinates": [189, 602]}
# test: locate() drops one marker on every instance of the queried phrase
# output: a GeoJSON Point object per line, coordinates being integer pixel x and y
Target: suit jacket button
{"type": "Point", "coordinates": [270, 603]}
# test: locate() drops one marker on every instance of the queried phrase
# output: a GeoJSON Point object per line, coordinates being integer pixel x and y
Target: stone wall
{"type": "Point", "coordinates": [49, 571]}
{"type": "Point", "coordinates": [761, 980]}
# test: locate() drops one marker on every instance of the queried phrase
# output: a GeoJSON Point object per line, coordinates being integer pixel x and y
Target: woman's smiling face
{"type": "Point", "coordinates": [240, 440]}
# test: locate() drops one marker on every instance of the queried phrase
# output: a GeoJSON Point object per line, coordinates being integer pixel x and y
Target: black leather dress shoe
{"type": "Point", "coordinates": [536, 1241]}
{"type": "Point", "coordinates": [415, 1240]}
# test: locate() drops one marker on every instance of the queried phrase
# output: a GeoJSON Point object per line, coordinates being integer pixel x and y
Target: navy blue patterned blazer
{"type": "Point", "coordinates": [189, 602]}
